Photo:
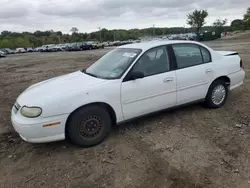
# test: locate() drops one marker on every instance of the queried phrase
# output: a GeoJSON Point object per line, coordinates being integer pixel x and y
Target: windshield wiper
{"type": "Point", "coordinates": [90, 74]}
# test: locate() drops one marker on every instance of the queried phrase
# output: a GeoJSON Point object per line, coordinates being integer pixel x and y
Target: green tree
{"type": "Point", "coordinates": [59, 33]}
{"type": "Point", "coordinates": [54, 38]}
{"type": "Point", "coordinates": [39, 33]}
{"type": "Point", "coordinates": [237, 24]}
{"type": "Point", "coordinates": [247, 18]}
{"type": "Point", "coordinates": [74, 30]}
{"type": "Point", "coordinates": [22, 42]}
{"type": "Point", "coordinates": [10, 39]}
{"type": "Point", "coordinates": [5, 33]}
{"type": "Point", "coordinates": [196, 19]}
{"type": "Point", "coordinates": [220, 23]}
{"type": "Point", "coordinates": [6, 43]}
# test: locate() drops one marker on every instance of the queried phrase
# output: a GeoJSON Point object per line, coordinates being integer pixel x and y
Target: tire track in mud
{"type": "Point", "coordinates": [160, 174]}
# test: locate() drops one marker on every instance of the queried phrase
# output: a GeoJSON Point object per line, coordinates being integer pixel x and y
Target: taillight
{"type": "Point", "coordinates": [241, 63]}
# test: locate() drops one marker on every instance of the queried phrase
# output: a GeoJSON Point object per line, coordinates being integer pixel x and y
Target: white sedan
{"type": "Point", "coordinates": [128, 82]}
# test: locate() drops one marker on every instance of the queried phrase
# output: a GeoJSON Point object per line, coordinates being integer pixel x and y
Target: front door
{"type": "Point", "coordinates": [156, 91]}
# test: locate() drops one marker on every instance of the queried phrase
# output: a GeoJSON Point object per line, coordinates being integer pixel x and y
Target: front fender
{"type": "Point", "coordinates": [106, 93]}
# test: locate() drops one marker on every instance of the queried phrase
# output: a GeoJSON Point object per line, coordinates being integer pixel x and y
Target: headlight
{"type": "Point", "coordinates": [31, 112]}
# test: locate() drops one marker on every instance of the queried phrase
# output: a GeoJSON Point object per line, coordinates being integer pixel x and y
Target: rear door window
{"type": "Point", "coordinates": [187, 55]}
{"type": "Point", "coordinates": [206, 55]}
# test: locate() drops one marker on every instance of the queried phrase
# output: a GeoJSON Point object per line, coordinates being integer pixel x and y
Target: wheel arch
{"type": "Point", "coordinates": [225, 78]}
{"type": "Point", "coordinates": [102, 104]}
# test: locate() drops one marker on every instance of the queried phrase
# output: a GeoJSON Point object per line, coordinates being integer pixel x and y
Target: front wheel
{"type": "Point", "coordinates": [217, 94]}
{"type": "Point", "coordinates": [89, 126]}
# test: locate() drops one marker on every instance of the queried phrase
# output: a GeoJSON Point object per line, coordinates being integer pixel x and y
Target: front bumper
{"type": "Point", "coordinates": [33, 130]}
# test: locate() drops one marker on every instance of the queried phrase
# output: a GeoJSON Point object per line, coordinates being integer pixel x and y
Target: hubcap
{"type": "Point", "coordinates": [218, 94]}
{"type": "Point", "coordinates": [90, 126]}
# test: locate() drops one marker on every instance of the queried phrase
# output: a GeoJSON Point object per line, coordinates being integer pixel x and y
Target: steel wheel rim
{"type": "Point", "coordinates": [218, 94]}
{"type": "Point", "coordinates": [90, 127]}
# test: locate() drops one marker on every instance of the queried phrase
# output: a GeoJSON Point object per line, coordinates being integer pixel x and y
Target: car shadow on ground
{"type": "Point", "coordinates": [139, 123]}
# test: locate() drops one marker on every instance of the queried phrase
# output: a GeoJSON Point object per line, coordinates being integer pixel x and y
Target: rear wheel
{"type": "Point", "coordinates": [217, 94]}
{"type": "Point", "coordinates": [89, 126]}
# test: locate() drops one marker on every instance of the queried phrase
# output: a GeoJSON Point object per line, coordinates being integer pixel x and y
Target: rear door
{"type": "Point", "coordinates": [194, 71]}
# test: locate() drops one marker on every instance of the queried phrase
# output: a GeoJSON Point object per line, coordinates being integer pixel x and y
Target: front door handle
{"type": "Point", "coordinates": [166, 80]}
{"type": "Point", "coordinates": [209, 70]}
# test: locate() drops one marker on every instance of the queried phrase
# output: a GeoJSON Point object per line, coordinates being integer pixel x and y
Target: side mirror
{"type": "Point", "coordinates": [136, 75]}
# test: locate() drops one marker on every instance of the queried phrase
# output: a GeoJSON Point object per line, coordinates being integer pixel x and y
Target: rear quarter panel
{"type": "Point", "coordinates": [226, 66]}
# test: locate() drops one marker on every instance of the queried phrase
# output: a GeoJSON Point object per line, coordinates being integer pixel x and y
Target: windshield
{"type": "Point", "coordinates": [113, 64]}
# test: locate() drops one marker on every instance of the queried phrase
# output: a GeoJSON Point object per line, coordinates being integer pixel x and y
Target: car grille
{"type": "Point", "coordinates": [16, 107]}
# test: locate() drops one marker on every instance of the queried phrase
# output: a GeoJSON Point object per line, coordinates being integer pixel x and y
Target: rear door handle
{"type": "Point", "coordinates": [209, 70]}
{"type": "Point", "coordinates": [166, 80]}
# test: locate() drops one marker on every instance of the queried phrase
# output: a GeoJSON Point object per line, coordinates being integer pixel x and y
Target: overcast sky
{"type": "Point", "coordinates": [88, 15]}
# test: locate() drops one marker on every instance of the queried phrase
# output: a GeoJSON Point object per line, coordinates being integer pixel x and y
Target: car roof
{"type": "Point", "coordinates": [151, 44]}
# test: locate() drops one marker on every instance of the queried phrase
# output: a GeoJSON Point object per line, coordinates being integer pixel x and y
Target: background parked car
{"type": "Point", "coordinates": [84, 46]}
{"type": "Point", "coordinates": [49, 49]}
{"type": "Point", "coordinates": [64, 46]}
{"type": "Point", "coordinates": [43, 48]}
{"type": "Point", "coordinates": [90, 45]}
{"type": "Point", "coordinates": [73, 47]}
{"type": "Point", "coordinates": [29, 50]}
{"type": "Point", "coordinates": [38, 49]}
{"type": "Point", "coordinates": [98, 45]}
{"type": "Point", "coordinates": [2, 54]}
{"type": "Point", "coordinates": [4, 51]}
{"type": "Point", "coordinates": [54, 48]}
{"type": "Point", "coordinates": [57, 48]}
{"type": "Point", "coordinates": [46, 48]}
{"type": "Point", "coordinates": [116, 43]}
{"type": "Point", "coordinates": [9, 51]}
{"type": "Point", "coordinates": [20, 50]}
{"type": "Point", "coordinates": [105, 44]}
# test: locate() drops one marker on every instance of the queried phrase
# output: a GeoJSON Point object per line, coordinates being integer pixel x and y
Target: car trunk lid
{"type": "Point", "coordinates": [227, 53]}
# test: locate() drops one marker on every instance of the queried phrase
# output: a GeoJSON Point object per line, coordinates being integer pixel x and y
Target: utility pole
{"type": "Point", "coordinates": [59, 39]}
{"type": "Point", "coordinates": [153, 30]}
{"type": "Point", "coordinates": [100, 31]}
{"type": "Point", "coordinates": [43, 40]}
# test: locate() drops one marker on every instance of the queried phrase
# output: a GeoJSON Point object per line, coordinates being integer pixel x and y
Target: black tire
{"type": "Point", "coordinates": [92, 117]}
{"type": "Point", "coordinates": [209, 101]}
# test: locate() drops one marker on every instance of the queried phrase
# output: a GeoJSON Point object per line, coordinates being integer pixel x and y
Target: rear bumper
{"type": "Point", "coordinates": [236, 79]}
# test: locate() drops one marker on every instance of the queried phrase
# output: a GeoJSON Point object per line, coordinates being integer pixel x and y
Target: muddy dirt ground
{"type": "Point", "coordinates": [189, 147]}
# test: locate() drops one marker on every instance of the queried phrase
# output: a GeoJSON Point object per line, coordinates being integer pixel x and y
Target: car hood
{"type": "Point", "coordinates": [56, 87]}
